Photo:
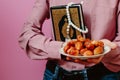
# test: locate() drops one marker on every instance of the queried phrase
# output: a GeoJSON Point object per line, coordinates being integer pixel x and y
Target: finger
{"type": "Point", "coordinates": [95, 60]}
{"type": "Point", "coordinates": [109, 43]}
{"type": "Point", "coordinates": [112, 45]}
{"type": "Point", "coordinates": [80, 61]}
{"type": "Point", "coordinates": [84, 62]}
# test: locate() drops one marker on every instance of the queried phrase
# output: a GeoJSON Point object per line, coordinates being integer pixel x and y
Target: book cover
{"type": "Point", "coordinates": [60, 21]}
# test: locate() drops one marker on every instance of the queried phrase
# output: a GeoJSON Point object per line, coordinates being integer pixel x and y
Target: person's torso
{"type": "Point", "coordinates": [99, 17]}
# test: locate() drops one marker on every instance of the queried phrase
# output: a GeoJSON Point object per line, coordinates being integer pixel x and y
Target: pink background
{"type": "Point", "coordinates": [14, 64]}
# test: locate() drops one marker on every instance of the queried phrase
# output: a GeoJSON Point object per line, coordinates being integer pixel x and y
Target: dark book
{"type": "Point", "coordinates": [60, 21]}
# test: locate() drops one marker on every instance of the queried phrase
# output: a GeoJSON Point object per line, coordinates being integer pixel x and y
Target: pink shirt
{"type": "Point", "coordinates": [102, 17]}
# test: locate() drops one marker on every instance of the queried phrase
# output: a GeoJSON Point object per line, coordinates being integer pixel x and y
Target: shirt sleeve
{"type": "Point", "coordinates": [112, 60]}
{"type": "Point", "coordinates": [32, 40]}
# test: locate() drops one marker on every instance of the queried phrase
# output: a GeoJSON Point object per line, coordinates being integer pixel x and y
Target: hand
{"type": "Point", "coordinates": [89, 61]}
{"type": "Point", "coordinates": [94, 60]}
{"type": "Point", "coordinates": [112, 45]}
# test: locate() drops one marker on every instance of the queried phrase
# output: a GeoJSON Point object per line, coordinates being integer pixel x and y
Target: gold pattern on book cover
{"type": "Point", "coordinates": [60, 22]}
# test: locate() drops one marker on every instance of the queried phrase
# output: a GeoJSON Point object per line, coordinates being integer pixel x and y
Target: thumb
{"type": "Point", "coordinates": [109, 43]}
